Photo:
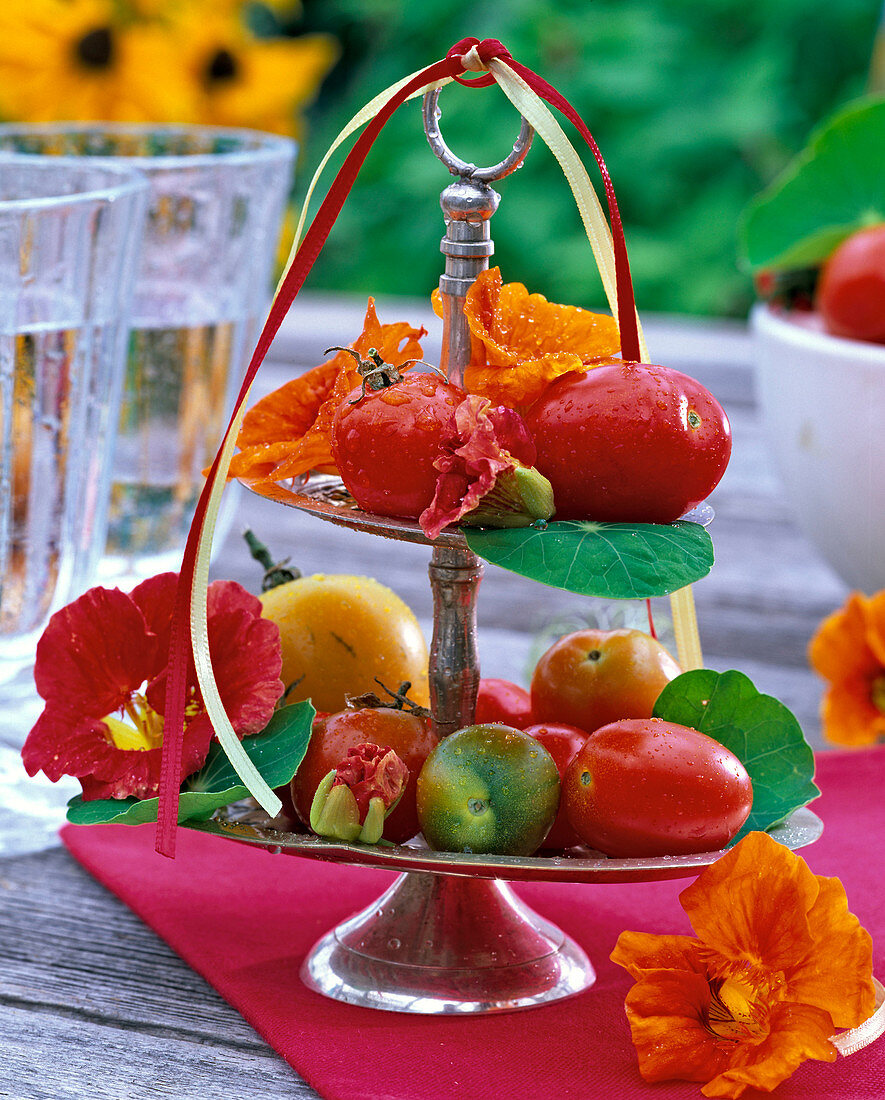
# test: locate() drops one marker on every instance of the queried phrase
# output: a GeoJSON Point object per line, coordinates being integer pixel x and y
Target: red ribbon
{"type": "Point", "coordinates": [314, 239]}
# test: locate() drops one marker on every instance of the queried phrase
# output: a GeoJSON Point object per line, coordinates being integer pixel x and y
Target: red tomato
{"type": "Point", "coordinates": [385, 445]}
{"type": "Point", "coordinates": [851, 290]}
{"type": "Point", "coordinates": [629, 443]}
{"type": "Point", "coordinates": [410, 737]}
{"type": "Point", "coordinates": [503, 701]}
{"type": "Point", "coordinates": [646, 787]}
{"type": "Point", "coordinates": [563, 743]}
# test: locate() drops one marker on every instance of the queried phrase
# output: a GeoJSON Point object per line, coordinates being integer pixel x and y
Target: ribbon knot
{"type": "Point", "coordinates": [474, 56]}
{"type": "Point", "coordinates": [473, 62]}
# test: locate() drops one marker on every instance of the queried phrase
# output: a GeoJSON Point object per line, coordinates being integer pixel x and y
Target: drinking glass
{"type": "Point", "coordinates": [69, 238]}
{"type": "Point", "coordinates": [217, 199]}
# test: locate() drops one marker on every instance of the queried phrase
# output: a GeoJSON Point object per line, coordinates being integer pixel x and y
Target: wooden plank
{"type": "Point", "coordinates": [58, 1056]}
{"type": "Point", "coordinates": [93, 958]}
{"type": "Point", "coordinates": [94, 1004]}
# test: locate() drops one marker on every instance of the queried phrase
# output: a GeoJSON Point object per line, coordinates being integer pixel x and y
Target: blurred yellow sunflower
{"type": "Point", "coordinates": [75, 59]}
{"type": "Point", "coordinates": [241, 80]}
{"type": "Point", "coordinates": [153, 61]}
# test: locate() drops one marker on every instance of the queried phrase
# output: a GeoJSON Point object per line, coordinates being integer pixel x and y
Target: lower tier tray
{"type": "Point", "coordinates": [450, 936]}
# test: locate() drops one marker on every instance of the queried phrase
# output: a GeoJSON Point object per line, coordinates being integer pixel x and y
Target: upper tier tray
{"type": "Point", "coordinates": [324, 496]}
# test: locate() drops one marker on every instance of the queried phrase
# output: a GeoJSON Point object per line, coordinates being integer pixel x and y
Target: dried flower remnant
{"type": "Point", "coordinates": [779, 963]}
{"type": "Point", "coordinates": [353, 800]}
{"type": "Point", "coordinates": [486, 472]}
{"type": "Point", "coordinates": [288, 433]}
{"type": "Point", "coordinates": [848, 651]}
{"type": "Point", "coordinates": [102, 667]}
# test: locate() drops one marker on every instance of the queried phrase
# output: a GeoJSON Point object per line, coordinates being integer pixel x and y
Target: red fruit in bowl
{"type": "Point", "coordinates": [502, 701]}
{"type": "Point", "coordinates": [592, 677]}
{"type": "Point", "coordinates": [563, 743]}
{"type": "Point", "coordinates": [629, 443]}
{"type": "Point", "coordinates": [851, 290]}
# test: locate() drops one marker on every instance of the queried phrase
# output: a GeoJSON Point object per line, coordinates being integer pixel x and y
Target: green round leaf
{"type": "Point", "coordinates": [276, 752]}
{"type": "Point", "coordinates": [618, 561]}
{"type": "Point", "coordinates": [834, 187]}
{"type": "Point", "coordinates": [761, 732]}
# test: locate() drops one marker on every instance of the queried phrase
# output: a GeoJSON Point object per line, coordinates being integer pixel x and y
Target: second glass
{"type": "Point", "coordinates": [217, 199]}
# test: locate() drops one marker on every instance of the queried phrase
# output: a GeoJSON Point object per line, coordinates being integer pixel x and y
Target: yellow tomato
{"type": "Point", "coordinates": [339, 633]}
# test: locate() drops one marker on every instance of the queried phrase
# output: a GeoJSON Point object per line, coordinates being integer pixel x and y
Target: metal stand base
{"type": "Point", "coordinates": [439, 944]}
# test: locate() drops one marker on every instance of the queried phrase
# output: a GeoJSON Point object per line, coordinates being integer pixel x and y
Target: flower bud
{"type": "Point", "coordinates": [353, 800]}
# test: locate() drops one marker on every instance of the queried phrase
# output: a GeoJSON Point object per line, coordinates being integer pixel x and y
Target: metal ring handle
{"type": "Point", "coordinates": [462, 168]}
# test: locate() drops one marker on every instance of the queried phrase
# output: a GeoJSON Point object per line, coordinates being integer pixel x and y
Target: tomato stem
{"type": "Point", "coordinates": [274, 572]}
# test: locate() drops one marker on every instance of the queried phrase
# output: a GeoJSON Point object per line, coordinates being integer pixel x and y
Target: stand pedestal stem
{"type": "Point", "coordinates": [454, 665]}
{"type": "Point", "coordinates": [438, 944]}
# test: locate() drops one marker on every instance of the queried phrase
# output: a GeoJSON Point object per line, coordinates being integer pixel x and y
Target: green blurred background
{"type": "Point", "coordinates": [696, 105]}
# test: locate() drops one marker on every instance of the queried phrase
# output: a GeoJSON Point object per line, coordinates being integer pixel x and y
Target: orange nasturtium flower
{"type": "Point", "coordinates": [779, 964]}
{"type": "Point", "coordinates": [848, 650]}
{"type": "Point", "coordinates": [288, 433]}
{"type": "Point", "coordinates": [521, 342]}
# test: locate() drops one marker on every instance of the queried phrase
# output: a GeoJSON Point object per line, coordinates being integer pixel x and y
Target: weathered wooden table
{"type": "Point", "coordinates": [93, 1004]}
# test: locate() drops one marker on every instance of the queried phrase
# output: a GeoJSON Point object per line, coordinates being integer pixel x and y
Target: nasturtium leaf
{"type": "Point", "coordinates": [757, 728]}
{"type": "Point", "coordinates": [834, 187]}
{"type": "Point", "coordinates": [276, 752]}
{"type": "Point", "coordinates": [619, 561]}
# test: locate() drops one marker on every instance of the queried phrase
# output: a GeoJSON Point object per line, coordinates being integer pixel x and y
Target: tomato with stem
{"type": "Point", "coordinates": [385, 441]}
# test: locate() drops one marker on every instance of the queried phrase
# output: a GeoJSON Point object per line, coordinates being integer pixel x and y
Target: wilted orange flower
{"type": "Point", "coordinates": [288, 433]}
{"type": "Point", "coordinates": [521, 342]}
{"type": "Point", "coordinates": [848, 650]}
{"type": "Point", "coordinates": [779, 964]}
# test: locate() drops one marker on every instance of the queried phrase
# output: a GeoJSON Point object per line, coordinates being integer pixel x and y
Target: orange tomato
{"type": "Point", "coordinates": [592, 677]}
{"type": "Point", "coordinates": [339, 632]}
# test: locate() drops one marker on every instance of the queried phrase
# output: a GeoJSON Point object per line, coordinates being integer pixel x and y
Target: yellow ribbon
{"type": "Point", "coordinates": [224, 731]}
{"type": "Point", "coordinates": [535, 111]}
{"type": "Point", "coordinates": [850, 1042]}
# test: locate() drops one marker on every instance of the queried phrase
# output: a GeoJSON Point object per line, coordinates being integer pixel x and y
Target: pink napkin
{"type": "Point", "coordinates": [245, 919]}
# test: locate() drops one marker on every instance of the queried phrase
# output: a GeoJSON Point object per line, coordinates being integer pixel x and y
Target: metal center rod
{"type": "Point", "coordinates": [467, 206]}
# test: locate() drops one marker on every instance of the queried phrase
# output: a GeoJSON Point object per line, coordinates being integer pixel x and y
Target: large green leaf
{"type": "Point", "coordinates": [757, 728]}
{"type": "Point", "coordinates": [276, 752]}
{"type": "Point", "coordinates": [834, 187]}
{"type": "Point", "coordinates": [618, 561]}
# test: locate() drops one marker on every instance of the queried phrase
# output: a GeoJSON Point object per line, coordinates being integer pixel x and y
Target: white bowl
{"type": "Point", "coordinates": [822, 400]}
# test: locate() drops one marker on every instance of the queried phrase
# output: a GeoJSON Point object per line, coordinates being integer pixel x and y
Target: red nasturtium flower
{"type": "Point", "coordinates": [521, 342]}
{"type": "Point", "coordinates": [779, 964]}
{"type": "Point", "coordinates": [288, 433]}
{"type": "Point", "coordinates": [848, 650]}
{"type": "Point", "coordinates": [101, 668]}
